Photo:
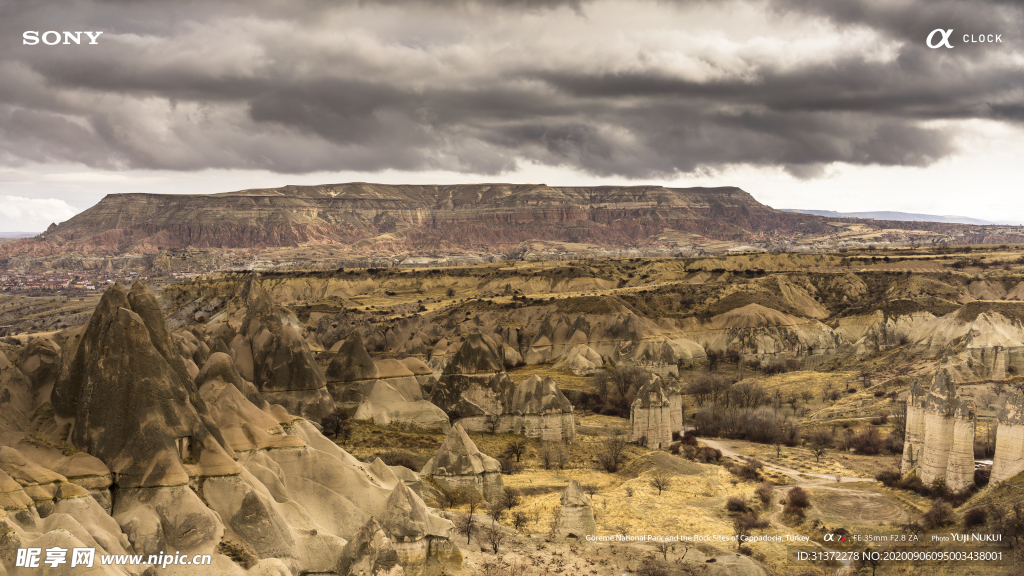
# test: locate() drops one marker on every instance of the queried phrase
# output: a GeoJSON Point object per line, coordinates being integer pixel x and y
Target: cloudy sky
{"type": "Point", "coordinates": [835, 105]}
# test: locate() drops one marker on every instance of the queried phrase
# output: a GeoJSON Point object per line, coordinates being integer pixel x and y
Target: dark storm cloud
{"type": "Point", "coordinates": [474, 87]}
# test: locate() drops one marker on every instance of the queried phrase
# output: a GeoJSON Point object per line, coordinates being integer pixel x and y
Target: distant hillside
{"type": "Point", "coordinates": [898, 216]}
{"type": "Point", "coordinates": [392, 218]}
{"type": "Point", "coordinates": [364, 220]}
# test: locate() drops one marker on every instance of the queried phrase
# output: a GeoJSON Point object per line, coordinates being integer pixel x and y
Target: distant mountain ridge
{"type": "Point", "coordinates": [382, 217]}
{"type": "Point", "coordinates": [900, 217]}
{"type": "Point", "coordinates": [366, 220]}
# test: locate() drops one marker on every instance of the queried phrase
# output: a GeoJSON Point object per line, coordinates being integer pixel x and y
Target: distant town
{"type": "Point", "coordinates": [80, 281]}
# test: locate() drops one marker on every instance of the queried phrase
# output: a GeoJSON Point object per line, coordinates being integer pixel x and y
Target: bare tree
{"type": "Point", "coordinates": [664, 548]}
{"type": "Point", "coordinates": [661, 481]}
{"type": "Point", "coordinates": [610, 452]}
{"type": "Point", "coordinates": [590, 489]}
{"type": "Point", "coordinates": [465, 525]}
{"type": "Point", "coordinates": [818, 452]}
{"type": "Point", "coordinates": [495, 536]}
{"type": "Point", "coordinates": [520, 519]}
{"type": "Point", "coordinates": [510, 498]}
{"type": "Point", "coordinates": [516, 448]}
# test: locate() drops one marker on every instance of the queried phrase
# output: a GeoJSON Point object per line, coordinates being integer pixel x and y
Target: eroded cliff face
{"type": "Point", "coordinates": [1009, 457]}
{"type": "Point", "coordinates": [402, 217]}
{"type": "Point", "coordinates": [201, 465]}
{"type": "Point", "coordinates": [656, 413]}
{"type": "Point", "coordinates": [940, 433]}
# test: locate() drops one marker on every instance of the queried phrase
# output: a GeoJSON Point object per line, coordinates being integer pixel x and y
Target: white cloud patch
{"type": "Point", "coordinates": [21, 214]}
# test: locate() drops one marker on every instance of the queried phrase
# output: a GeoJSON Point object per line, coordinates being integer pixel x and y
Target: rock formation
{"type": "Point", "coordinates": [196, 464]}
{"type": "Point", "coordinates": [656, 413]}
{"type": "Point", "coordinates": [575, 518]}
{"type": "Point", "coordinates": [459, 465]}
{"type": "Point", "coordinates": [383, 391]}
{"type": "Point", "coordinates": [581, 360]}
{"type": "Point", "coordinates": [348, 213]}
{"type": "Point", "coordinates": [420, 539]}
{"type": "Point", "coordinates": [940, 433]}
{"type": "Point", "coordinates": [474, 385]}
{"type": "Point", "coordinates": [370, 553]}
{"type": "Point", "coordinates": [271, 353]}
{"type": "Point", "coordinates": [539, 410]}
{"type": "Point", "coordinates": [1009, 457]}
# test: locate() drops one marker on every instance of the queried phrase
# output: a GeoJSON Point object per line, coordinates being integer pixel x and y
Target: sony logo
{"type": "Point", "coordinates": [52, 37]}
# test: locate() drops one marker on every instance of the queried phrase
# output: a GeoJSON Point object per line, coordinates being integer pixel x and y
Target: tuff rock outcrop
{"type": "Point", "coordinates": [459, 465]}
{"type": "Point", "coordinates": [270, 352]}
{"type": "Point", "coordinates": [656, 413]}
{"type": "Point", "coordinates": [540, 410]}
{"type": "Point", "coordinates": [1009, 455]}
{"type": "Point", "coordinates": [474, 386]}
{"type": "Point", "coordinates": [940, 433]}
{"type": "Point", "coordinates": [198, 465]}
{"type": "Point", "coordinates": [383, 391]}
{"type": "Point", "coordinates": [575, 517]}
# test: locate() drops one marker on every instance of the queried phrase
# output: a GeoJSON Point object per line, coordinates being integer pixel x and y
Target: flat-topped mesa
{"type": "Point", "coordinates": [459, 465]}
{"type": "Point", "coordinates": [383, 391]}
{"type": "Point", "coordinates": [940, 433]}
{"type": "Point", "coordinates": [1009, 456]}
{"type": "Point", "coordinates": [347, 213]}
{"type": "Point", "coordinates": [656, 413]}
{"type": "Point", "coordinates": [575, 517]}
{"type": "Point", "coordinates": [270, 353]}
{"type": "Point", "coordinates": [134, 404]}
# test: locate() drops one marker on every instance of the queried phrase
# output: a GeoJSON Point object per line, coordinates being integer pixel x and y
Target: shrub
{"type": "Point", "coordinates": [888, 478]}
{"type": "Point", "coordinates": [797, 497]}
{"type": "Point", "coordinates": [981, 477]}
{"type": "Point", "coordinates": [610, 453]}
{"type": "Point", "coordinates": [940, 514]}
{"type": "Point", "coordinates": [764, 493]}
{"type": "Point", "coordinates": [509, 466]}
{"type": "Point", "coordinates": [736, 504]}
{"type": "Point", "coordinates": [399, 458]}
{"type": "Point", "coordinates": [867, 441]}
{"type": "Point", "coordinates": [975, 517]}
{"type": "Point", "coordinates": [751, 470]}
{"type": "Point", "coordinates": [706, 454]}
{"type": "Point", "coordinates": [880, 419]}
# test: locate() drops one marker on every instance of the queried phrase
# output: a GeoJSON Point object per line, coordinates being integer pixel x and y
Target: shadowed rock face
{"type": "Point", "coordinates": [40, 362]}
{"type": "Point", "coordinates": [385, 391]}
{"type": "Point", "coordinates": [656, 413]}
{"type": "Point", "coordinates": [282, 366]}
{"type": "Point", "coordinates": [940, 433]}
{"type": "Point", "coordinates": [1009, 457]}
{"type": "Point", "coordinates": [352, 362]}
{"type": "Point", "coordinates": [132, 400]}
{"type": "Point", "coordinates": [474, 382]}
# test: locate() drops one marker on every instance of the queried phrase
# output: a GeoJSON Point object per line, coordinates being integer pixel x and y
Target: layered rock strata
{"type": "Point", "coordinates": [940, 433]}
{"type": "Point", "coordinates": [1009, 455]}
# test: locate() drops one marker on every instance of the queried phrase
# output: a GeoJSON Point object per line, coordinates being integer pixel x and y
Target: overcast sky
{"type": "Point", "coordinates": [805, 104]}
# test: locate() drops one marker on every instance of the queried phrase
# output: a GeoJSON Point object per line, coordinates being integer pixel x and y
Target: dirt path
{"type": "Point", "coordinates": [802, 478]}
